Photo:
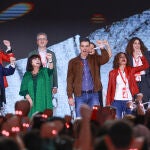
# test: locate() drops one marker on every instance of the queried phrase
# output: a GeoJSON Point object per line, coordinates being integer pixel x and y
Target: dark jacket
{"type": "Point", "coordinates": [75, 71]}
{"type": "Point", "coordinates": [4, 72]}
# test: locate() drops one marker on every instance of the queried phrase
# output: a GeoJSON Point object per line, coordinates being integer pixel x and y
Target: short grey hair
{"type": "Point", "coordinates": [41, 33]}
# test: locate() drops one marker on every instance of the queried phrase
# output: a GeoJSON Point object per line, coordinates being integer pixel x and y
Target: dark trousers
{"type": "Point", "coordinates": [100, 94]}
{"type": "Point", "coordinates": [144, 88]}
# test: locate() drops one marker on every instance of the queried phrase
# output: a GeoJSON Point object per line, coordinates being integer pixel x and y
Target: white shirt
{"type": "Point", "coordinates": [43, 57]}
{"type": "Point", "coordinates": [119, 88]}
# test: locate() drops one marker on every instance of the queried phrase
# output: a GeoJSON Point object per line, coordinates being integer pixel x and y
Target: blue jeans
{"type": "Point", "coordinates": [90, 99]}
{"type": "Point", "coordinates": [121, 108]}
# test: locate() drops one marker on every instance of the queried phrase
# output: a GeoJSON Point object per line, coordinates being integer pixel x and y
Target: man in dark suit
{"type": "Point", "coordinates": [5, 72]}
{"type": "Point", "coordinates": [46, 56]}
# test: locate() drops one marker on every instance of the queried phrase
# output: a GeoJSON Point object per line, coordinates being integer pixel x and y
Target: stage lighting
{"type": "Point", "coordinates": [97, 18]}
{"type": "Point", "coordinates": [15, 11]}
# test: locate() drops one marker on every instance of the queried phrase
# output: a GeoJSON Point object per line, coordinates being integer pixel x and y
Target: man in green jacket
{"type": "Point", "coordinates": [45, 55]}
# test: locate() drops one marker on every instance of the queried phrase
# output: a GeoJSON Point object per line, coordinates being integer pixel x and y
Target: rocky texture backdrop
{"type": "Point", "coordinates": [117, 35]}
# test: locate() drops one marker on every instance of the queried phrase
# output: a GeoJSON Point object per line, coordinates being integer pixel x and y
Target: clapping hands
{"type": "Point", "coordinates": [102, 43]}
{"type": "Point", "coordinates": [49, 57]}
{"type": "Point", "coordinates": [12, 61]}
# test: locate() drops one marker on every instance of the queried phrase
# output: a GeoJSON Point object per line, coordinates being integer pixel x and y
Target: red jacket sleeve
{"type": "Point", "coordinates": [5, 57]}
{"type": "Point", "coordinates": [109, 90]}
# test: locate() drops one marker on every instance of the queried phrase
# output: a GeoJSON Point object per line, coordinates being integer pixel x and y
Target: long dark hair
{"type": "Point", "coordinates": [116, 60]}
{"type": "Point", "coordinates": [129, 48]}
{"type": "Point", "coordinates": [29, 62]}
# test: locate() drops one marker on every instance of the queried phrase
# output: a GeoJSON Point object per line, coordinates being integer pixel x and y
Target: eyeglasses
{"type": "Point", "coordinates": [40, 39]}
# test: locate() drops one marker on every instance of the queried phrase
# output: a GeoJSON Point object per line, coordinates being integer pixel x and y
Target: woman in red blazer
{"type": "Point", "coordinates": [122, 85]}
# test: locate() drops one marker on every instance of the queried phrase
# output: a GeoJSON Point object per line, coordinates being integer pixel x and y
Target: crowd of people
{"type": "Point", "coordinates": [97, 129]}
{"type": "Point", "coordinates": [122, 123]}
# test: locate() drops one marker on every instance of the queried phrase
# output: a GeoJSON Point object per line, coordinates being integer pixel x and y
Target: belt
{"type": "Point", "coordinates": [88, 92]}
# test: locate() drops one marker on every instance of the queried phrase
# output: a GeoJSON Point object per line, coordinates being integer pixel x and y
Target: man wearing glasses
{"type": "Point", "coordinates": [46, 56]}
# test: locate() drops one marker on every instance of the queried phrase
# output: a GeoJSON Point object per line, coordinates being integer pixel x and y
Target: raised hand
{"type": "Point", "coordinates": [13, 61]}
{"type": "Point", "coordinates": [49, 57]}
{"type": "Point", "coordinates": [100, 44]}
{"type": "Point", "coordinates": [85, 111]}
{"type": "Point", "coordinates": [7, 43]}
{"type": "Point", "coordinates": [105, 42]}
